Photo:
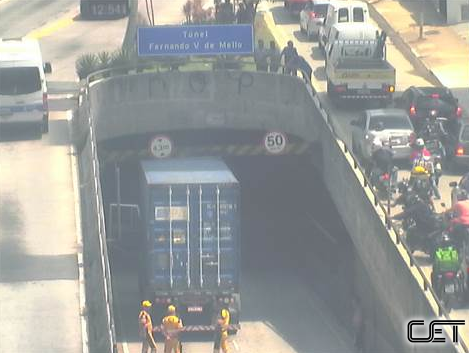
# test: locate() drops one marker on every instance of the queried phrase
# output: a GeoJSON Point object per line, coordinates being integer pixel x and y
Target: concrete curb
{"type": "Point", "coordinates": [403, 47]}
{"type": "Point", "coordinates": [79, 234]}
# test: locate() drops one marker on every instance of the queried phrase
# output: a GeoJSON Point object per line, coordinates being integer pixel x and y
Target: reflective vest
{"type": "Point", "coordinates": [145, 322]}
{"type": "Point", "coordinates": [171, 325]}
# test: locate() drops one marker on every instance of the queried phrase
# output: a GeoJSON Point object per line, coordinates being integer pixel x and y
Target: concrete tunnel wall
{"type": "Point", "coordinates": [198, 100]}
{"type": "Point", "coordinates": [185, 100]}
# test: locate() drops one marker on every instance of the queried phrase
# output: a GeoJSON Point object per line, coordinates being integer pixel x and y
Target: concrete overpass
{"type": "Point", "coordinates": [138, 106]}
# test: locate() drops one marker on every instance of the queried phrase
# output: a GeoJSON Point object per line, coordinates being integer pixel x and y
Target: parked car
{"type": "Point", "coordinates": [391, 126]}
{"type": "Point", "coordinates": [312, 17]}
{"type": "Point", "coordinates": [460, 151]}
{"type": "Point", "coordinates": [459, 188]}
{"type": "Point", "coordinates": [424, 102]}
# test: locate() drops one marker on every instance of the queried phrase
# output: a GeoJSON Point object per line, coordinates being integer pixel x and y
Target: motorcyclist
{"type": "Point", "coordinates": [382, 162]}
{"type": "Point", "coordinates": [419, 151]}
{"type": "Point", "coordinates": [421, 157]}
{"type": "Point", "coordinates": [459, 218]}
{"type": "Point", "coordinates": [423, 215]}
{"type": "Point", "coordinates": [421, 183]}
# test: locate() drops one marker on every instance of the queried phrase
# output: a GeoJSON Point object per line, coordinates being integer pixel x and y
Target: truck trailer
{"type": "Point", "coordinates": [191, 240]}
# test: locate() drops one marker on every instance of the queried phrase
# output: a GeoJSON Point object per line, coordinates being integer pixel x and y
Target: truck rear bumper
{"type": "Point", "coordinates": [352, 95]}
{"type": "Point", "coordinates": [201, 328]}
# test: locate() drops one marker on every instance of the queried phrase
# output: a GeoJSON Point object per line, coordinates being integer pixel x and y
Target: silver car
{"type": "Point", "coordinates": [391, 127]}
{"type": "Point", "coordinates": [312, 17]}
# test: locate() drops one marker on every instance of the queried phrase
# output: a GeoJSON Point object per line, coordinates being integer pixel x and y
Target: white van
{"type": "Point", "coordinates": [343, 12]}
{"type": "Point", "coordinates": [23, 89]}
{"type": "Point", "coordinates": [352, 31]}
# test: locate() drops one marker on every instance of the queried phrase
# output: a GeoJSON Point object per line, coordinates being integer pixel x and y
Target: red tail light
{"type": "Point", "coordinates": [435, 95]}
{"type": "Point", "coordinates": [449, 275]}
{"type": "Point", "coordinates": [45, 105]}
{"type": "Point", "coordinates": [459, 150]}
{"type": "Point", "coordinates": [412, 110]}
{"type": "Point", "coordinates": [385, 177]}
{"type": "Point", "coordinates": [458, 112]}
{"type": "Point", "coordinates": [312, 14]}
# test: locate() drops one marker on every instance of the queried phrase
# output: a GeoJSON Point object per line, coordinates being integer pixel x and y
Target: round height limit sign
{"type": "Point", "coordinates": [275, 142]}
{"type": "Point", "coordinates": [161, 147]}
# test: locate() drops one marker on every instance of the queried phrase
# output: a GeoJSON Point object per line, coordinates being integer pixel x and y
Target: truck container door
{"type": "Point", "coordinates": [168, 232]}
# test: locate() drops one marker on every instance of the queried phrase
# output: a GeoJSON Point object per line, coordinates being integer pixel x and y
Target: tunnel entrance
{"type": "Point", "coordinates": [294, 246]}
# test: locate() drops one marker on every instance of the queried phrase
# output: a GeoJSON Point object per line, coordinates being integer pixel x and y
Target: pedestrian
{"type": "Point", "coordinates": [241, 14]}
{"type": "Point", "coordinates": [171, 327]}
{"type": "Point", "coordinates": [221, 332]}
{"type": "Point", "coordinates": [289, 53]}
{"type": "Point", "coordinates": [274, 57]}
{"type": "Point", "coordinates": [146, 328]}
{"type": "Point", "coordinates": [299, 63]}
{"type": "Point", "coordinates": [358, 323]}
{"type": "Point", "coordinates": [260, 56]}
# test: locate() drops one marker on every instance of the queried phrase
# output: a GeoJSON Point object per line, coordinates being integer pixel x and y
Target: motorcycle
{"type": "Point", "coordinates": [384, 182]}
{"type": "Point", "coordinates": [449, 286]}
{"type": "Point", "coordinates": [436, 137]}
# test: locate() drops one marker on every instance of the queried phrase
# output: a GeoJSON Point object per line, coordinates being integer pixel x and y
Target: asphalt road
{"type": "Point", "coordinates": [287, 26]}
{"type": "Point", "coordinates": [19, 17]}
{"type": "Point", "coordinates": [39, 290]}
{"type": "Point", "coordinates": [293, 273]}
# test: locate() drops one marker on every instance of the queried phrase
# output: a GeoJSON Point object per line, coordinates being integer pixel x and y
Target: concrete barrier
{"type": "Point", "coordinates": [99, 311]}
{"type": "Point", "coordinates": [168, 101]}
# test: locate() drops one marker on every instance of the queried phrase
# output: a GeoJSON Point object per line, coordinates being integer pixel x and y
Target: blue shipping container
{"type": "Point", "coordinates": [191, 208]}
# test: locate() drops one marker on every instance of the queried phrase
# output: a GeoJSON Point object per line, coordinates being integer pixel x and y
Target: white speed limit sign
{"type": "Point", "coordinates": [275, 142]}
{"type": "Point", "coordinates": [161, 146]}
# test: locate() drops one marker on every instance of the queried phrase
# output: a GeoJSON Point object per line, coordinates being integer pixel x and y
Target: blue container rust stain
{"type": "Point", "coordinates": [195, 40]}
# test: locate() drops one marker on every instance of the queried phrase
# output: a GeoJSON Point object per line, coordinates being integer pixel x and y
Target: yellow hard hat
{"type": "Point", "coordinates": [224, 313]}
{"type": "Point", "coordinates": [146, 304]}
{"type": "Point", "coordinates": [171, 309]}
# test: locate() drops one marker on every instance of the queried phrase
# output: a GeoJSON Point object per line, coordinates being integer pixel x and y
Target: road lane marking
{"type": "Point", "coordinates": [125, 347]}
{"type": "Point", "coordinates": [235, 344]}
{"type": "Point", "coordinates": [48, 29]}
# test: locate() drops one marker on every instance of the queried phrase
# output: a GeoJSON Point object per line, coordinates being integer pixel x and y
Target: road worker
{"type": "Point", "coordinates": [221, 335]}
{"type": "Point", "coordinates": [171, 326]}
{"type": "Point", "coordinates": [146, 328]}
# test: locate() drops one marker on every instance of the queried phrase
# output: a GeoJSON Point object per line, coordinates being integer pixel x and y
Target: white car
{"type": "Point", "coordinates": [391, 126]}
{"type": "Point", "coordinates": [312, 17]}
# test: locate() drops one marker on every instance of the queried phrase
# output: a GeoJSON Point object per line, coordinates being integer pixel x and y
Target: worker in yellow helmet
{"type": "Point", "coordinates": [146, 328]}
{"type": "Point", "coordinates": [221, 336]}
{"type": "Point", "coordinates": [171, 326]}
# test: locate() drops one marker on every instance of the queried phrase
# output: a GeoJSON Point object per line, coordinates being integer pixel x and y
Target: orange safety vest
{"type": "Point", "coordinates": [171, 325]}
{"type": "Point", "coordinates": [145, 322]}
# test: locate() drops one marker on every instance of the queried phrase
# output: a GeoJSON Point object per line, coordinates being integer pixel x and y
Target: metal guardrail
{"type": "Point", "coordinates": [162, 66]}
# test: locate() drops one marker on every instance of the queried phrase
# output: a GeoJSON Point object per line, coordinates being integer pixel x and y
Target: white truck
{"type": "Point", "coordinates": [358, 69]}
